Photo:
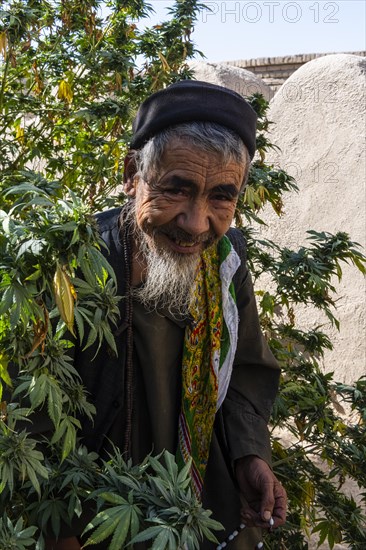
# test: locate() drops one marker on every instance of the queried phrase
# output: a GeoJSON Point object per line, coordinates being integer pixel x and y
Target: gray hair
{"type": "Point", "coordinates": [209, 137]}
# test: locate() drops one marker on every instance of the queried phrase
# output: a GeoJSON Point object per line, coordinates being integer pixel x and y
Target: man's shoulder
{"type": "Point", "coordinates": [109, 227]}
{"type": "Point", "coordinates": [237, 239]}
{"type": "Point", "coordinates": [108, 219]}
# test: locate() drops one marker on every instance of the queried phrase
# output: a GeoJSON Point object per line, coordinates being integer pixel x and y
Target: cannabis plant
{"type": "Point", "coordinates": [71, 77]}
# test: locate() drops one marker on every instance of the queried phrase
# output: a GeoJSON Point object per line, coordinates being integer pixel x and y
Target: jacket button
{"type": "Point", "coordinates": [115, 404]}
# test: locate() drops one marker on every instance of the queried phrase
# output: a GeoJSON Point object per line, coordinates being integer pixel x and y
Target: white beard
{"type": "Point", "coordinates": [169, 276]}
{"type": "Point", "coordinates": [169, 281]}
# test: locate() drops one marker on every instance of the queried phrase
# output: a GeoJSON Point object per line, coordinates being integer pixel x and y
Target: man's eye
{"type": "Point", "coordinates": [175, 191]}
{"type": "Point", "coordinates": [222, 197]}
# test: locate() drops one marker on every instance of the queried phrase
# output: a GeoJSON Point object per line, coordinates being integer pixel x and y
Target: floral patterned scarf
{"type": "Point", "coordinates": [208, 355]}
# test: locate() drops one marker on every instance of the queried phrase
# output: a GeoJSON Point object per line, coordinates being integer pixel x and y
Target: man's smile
{"type": "Point", "coordinates": [181, 242]}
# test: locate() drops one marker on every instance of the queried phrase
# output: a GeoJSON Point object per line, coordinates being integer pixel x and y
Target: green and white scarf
{"type": "Point", "coordinates": [208, 355]}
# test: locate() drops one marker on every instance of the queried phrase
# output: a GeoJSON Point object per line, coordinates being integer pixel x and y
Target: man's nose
{"type": "Point", "coordinates": [194, 219]}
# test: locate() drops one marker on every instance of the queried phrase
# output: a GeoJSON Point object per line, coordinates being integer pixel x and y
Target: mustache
{"type": "Point", "coordinates": [178, 234]}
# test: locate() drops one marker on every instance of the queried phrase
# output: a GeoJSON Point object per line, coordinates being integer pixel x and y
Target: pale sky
{"type": "Point", "coordinates": [245, 29]}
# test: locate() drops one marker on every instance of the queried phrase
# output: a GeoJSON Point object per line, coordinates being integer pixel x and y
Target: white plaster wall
{"type": "Point", "coordinates": [239, 80]}
{"type": "Point", "coordinates": [320, 121]}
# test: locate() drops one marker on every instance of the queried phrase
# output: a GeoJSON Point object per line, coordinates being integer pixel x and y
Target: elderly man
{"type": "Point", "coordinates": [193, 373]}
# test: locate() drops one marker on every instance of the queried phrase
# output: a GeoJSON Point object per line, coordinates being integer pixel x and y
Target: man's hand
{"type": "Point", "coordinates": [262, 491]}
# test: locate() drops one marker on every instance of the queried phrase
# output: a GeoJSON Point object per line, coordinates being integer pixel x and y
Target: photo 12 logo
{"type": "Point", "coordinates": [323, 91]}
{"type": "Point", "coordinates": [270, 12]}
{"type": "Point", "coordinates": [321, 171]}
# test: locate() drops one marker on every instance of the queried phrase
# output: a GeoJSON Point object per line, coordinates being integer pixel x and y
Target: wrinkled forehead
{"type": "Point", "coordinates": [212, 141]}
{"type": "Point", "coordinates": [181, 150]}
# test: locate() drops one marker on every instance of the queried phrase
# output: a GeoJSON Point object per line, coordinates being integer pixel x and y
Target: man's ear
{"type": "Point", "coordinates": [129, 173]}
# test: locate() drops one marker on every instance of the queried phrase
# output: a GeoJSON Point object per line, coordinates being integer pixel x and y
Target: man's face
{"type": "Point", "coordinates": [190, 203]}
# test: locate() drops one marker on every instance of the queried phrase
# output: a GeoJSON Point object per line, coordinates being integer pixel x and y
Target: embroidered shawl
{"type": "Point", "coordinates": [209, 349]}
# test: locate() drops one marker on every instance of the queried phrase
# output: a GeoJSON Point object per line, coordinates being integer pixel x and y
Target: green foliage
{"type": "Point", "coordinates": [72, 75]}
{"type": "Point", "coordinates": [70, 84]}
{"type": "Point", "coordinates": [14, 537]}
{"type": "Point", "coordinates": [149, 502]}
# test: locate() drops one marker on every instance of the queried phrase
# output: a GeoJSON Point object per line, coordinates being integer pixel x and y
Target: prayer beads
{"type": "Point", "coordinates": [235, 533]}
